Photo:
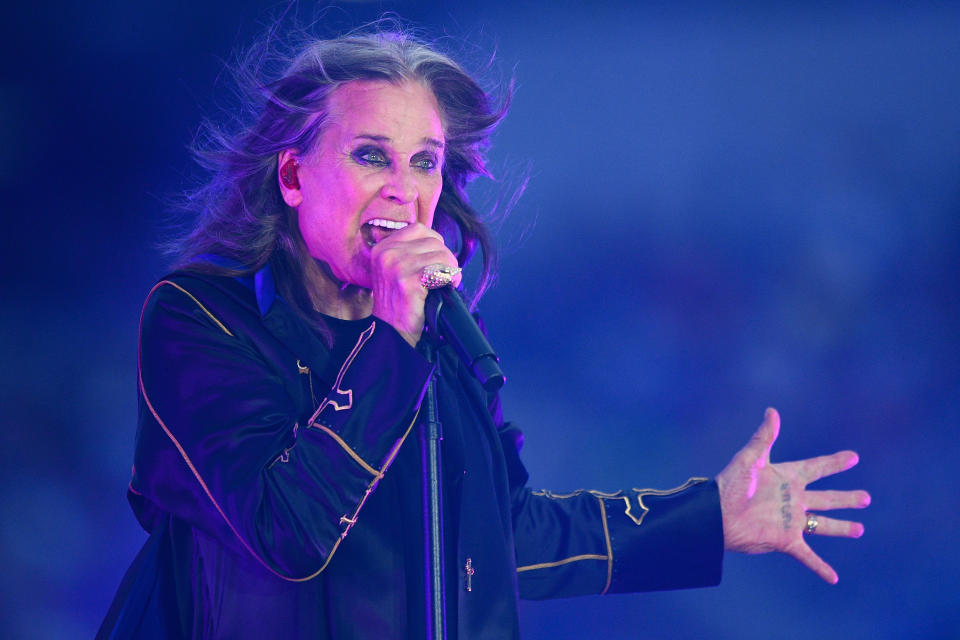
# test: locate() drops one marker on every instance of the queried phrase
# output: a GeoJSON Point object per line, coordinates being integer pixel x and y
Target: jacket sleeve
{"type": "Point", "coordinates": [220, 445]}
{"type": "Point", "coordinates": [591, 542]}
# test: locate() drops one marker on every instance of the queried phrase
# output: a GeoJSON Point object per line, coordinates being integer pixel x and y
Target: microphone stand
{"type": "Point", "coordinates": [431, 433]}
{"type": "Point", "coordinates": [449, 320]}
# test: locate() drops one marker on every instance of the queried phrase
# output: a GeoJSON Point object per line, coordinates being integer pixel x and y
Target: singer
{"type": "Point", "coordinates": [281, 378]}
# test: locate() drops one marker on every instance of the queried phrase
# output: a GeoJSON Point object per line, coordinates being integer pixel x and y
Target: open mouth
{"type": "Point", "coordinates": [377, 229]}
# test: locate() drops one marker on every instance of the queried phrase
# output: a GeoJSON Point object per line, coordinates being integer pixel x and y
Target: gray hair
{"type": "Point", "coordinates": [241, 214]}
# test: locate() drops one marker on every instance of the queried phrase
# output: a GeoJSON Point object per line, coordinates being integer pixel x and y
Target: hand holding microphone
{"type": "Point", "coordinates": [447, 316]}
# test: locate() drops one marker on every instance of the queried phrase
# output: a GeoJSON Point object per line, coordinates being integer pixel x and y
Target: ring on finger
{"type": "Point", "coordinates": [434, 276]}
{"type": "Point", "coordinates": [812, 522]}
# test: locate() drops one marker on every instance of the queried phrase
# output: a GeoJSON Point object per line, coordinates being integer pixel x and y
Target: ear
{"type": "Point", "coordinates": [288, 177]}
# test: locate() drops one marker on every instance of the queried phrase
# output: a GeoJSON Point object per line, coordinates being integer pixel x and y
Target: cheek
{"type": "Point", "coordinates": [320, 214]}
{"type": "Point", "coordinates": [309, 230]}
{"type": "Point", "coordinates": [428, 204]}
{"type": "Point", "coordinates": [319, 225]}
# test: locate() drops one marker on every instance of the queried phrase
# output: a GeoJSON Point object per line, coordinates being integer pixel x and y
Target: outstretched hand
{"type": "Point", "coordinates": [765, 505]}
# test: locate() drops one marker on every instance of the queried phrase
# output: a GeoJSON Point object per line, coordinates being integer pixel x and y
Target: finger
{"type": "Point", "coordinates": [409, 257]}
{"type": "Point", "coordinates": [412, 243]}
{"type": "Point", "coordinates": [442, 271]}
{"type": "Point", "coordinates": [759, 445]}
{"type": "Point", "coordinates": [826, 500]}
{"type": "Point", "coordinates": [815, 563]}
{"type": "Point", "coordinates": [812, 469]}
{"type": "Point", "coordinates": [419, 230]}
{"type": "Point", "coordinates": [428, 250]}
{"type": "Point", "coordinates": [838, 528]}
{"type": "Point", "coordinates": [408, 237]}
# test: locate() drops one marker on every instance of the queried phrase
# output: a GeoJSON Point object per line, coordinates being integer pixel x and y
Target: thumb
{"type": "Point", "coordinates": [763, 439]}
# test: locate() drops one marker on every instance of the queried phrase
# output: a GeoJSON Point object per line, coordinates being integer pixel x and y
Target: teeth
{"type": "Point", "coordinates": [387, 224]}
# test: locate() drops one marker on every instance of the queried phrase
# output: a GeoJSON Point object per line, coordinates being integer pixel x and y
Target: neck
{"type": "Point", "coordinates": [339, 299]}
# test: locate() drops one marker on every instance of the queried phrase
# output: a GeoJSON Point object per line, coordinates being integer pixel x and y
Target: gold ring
{"type": "Point", "coordinates": [812, 522]}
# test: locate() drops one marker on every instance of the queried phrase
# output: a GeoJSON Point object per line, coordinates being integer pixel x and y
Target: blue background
{"type": "Point", "coordinates": [731, 206]}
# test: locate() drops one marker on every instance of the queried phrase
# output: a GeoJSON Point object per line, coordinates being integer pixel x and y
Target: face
{"type": "Point", "coordinates": [376, 168]}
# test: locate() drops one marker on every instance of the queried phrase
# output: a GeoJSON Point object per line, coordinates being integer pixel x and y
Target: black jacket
{"type": "Point", "coordinates": [281, 489]}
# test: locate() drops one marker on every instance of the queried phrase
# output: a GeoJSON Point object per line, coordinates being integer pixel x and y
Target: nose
{"type": "Point", "coordinates": [400, 185]}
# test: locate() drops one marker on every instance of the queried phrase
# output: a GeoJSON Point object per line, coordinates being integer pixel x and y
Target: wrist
{"type": "Point", "coordinates": [411, 337]}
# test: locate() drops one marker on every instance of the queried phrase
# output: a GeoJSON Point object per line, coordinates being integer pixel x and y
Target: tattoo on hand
{"type": "Point", "coordinates": [785, 506]}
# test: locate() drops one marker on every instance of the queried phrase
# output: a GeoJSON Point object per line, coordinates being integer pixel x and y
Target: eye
{"type": "Point", "coordinates": [426, 162]}
{"type": "Point", "coordinates": [371, 156]}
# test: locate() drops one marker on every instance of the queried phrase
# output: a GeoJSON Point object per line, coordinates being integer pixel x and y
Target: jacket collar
{"type": "Point", "coordinates": [264, 289]}
{"type": "Point", "coordinates": [261, 282]}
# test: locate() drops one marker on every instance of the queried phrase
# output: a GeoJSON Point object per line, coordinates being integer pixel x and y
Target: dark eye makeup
{"type": "Point", "coordinates": [372, 156]}
{"type": "Point", "coordinates": [425, 161]}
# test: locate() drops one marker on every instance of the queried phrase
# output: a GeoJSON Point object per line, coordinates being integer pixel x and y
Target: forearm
{"type": "Point", "coordinates": [223, 445]}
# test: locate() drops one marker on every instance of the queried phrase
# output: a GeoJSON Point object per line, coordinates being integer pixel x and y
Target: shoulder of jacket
{"type": "Point", "coordinates": [221, 298]}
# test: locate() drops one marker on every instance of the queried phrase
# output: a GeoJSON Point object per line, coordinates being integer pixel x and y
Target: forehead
{"type": "Point", "coordinates": [405, 112]}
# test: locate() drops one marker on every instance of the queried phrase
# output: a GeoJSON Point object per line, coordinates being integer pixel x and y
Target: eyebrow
{"type": "Point", "coordinates": [431, 142]}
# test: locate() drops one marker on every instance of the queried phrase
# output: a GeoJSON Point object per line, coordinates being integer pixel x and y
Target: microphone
{"type": "Point", "coordinates": [447, 316]}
